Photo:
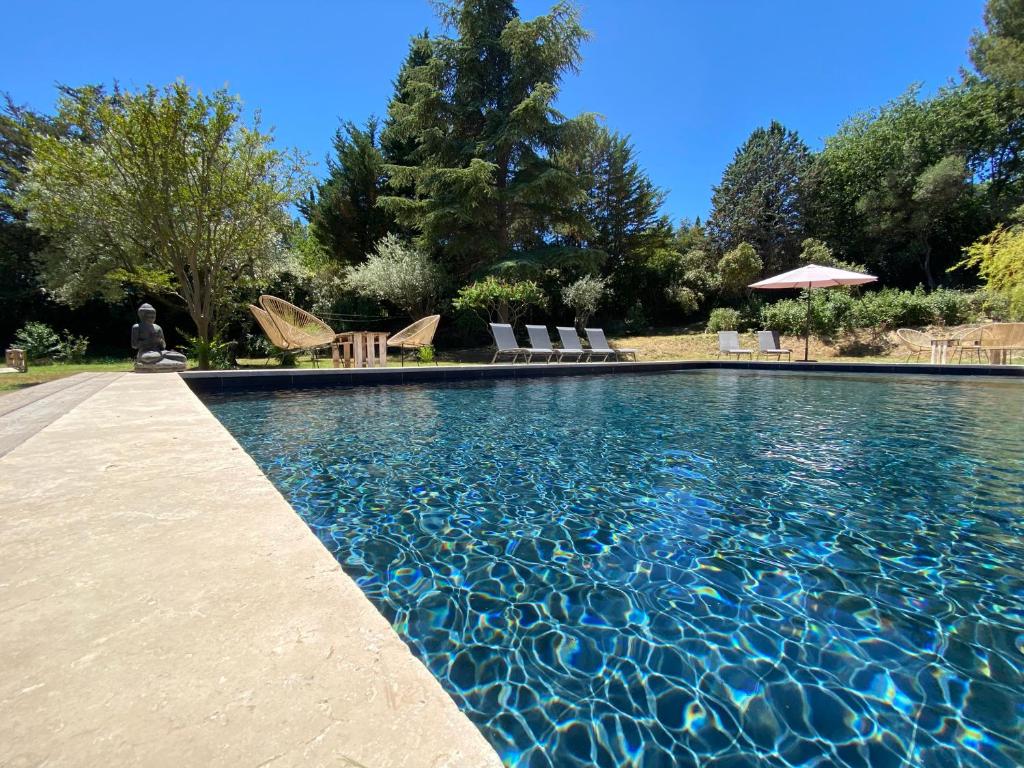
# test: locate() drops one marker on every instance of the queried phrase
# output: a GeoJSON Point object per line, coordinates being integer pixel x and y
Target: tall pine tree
{"type": "Point", "coordinates": [342, 211]}
{"type": "Point", "coordinates": [487, 192]}
{"type": "Point", "coordinates": [623, 210]}
{"type": "Point", "coordinates": [759, 199]}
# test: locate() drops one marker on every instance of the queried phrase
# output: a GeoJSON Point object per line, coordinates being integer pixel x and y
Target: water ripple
{"type": "Point", "coordinates": [715, 569]}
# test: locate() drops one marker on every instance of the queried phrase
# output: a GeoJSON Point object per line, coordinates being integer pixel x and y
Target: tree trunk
{"type": "Point", "coordinates": [202, 346]}
{"type": "Point", "coordinates": [926, 264]}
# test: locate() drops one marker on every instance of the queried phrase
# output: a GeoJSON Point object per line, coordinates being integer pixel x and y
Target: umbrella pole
{"type": "Point", "coordinates": [807, 326]}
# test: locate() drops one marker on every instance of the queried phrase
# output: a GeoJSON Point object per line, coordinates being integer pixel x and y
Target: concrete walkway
{"type": "Point", "coordinates": [26, 411]}
{"type": "Point", "coordinates": [162, 605]}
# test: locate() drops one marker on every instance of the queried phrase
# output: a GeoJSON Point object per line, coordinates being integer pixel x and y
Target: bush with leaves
{"type": "Point", "coordinates": [837, 310]}
{"type": "Point", "coordinates": [401, 275]}
{"type": "Point", "coordinates": [583, 297]}
{"type": "Point", "coordinates": [739, 268]}
{"type": "Point", "coordinates": [723, 319]}
{"type": "Point", "coordinates": [38, 340]}
{"type": "Point", "coordinates": [71, 348]}
{"type": "Point", "coordinates": [502, 301]}
{"type": "Point", "coordinates": [999, 259]}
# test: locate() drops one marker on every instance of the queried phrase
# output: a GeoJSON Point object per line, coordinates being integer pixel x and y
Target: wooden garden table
{"type": "Point", "coordinates": [940, 349]}
{"type": "Point", "coordinates": [361, 349]}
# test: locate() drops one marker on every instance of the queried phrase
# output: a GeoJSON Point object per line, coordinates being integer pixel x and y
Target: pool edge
{"type": "Point", "coordinates": [269, 379]}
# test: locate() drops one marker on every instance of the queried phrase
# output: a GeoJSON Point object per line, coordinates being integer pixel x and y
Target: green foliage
{"type": "Point", "coordinates": [425, 354]}
{"type": "Point", "coordinates": [400, 275]}
{"type": "Point", "coordinates": [479, 183]}
{"type": "Point", "coordinates": [342, 211]}
{"type": "Point", "coordinates": [999, 259]}
{"type": "Point", "coordinates": [621, 213]}
{"type": "Point", "coordinates": [502, 301]}
{"type": "Point", "coordinates": [739, 268]}
{"type": "Point", "coordinates": [723, 319]}
{"type": "Point", "coordinates": [584, 296]}
{"type": "Point", "coordinates": [900, 189]}
{"type": "Point", "coordinates": [114, 204]}
{"type": "Point", "coordinates": [38, 340]}
{"type": "Point", "coordinates": [217, 352]}
{"type": "Point", "coordinates": [760, 197]}
{"type": "Point", "coordinates": [71, 348]}
{"type": "Point", "coordinates": [998, 52]}
{"type": "Point", "coordinates": [836, 310]}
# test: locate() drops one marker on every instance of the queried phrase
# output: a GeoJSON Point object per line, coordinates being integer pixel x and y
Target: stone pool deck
{"type": "Point", "coordinates": [162, 605]}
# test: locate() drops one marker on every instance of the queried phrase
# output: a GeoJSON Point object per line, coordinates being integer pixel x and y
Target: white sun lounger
{"type": "Point", "coordinates": [768, 343]}
{"type": "Point", "coordinates": [599, 345]}
{"type": "Point", "coordinates": [541, 344]}
{"type": "Point", "coordinates": [729, 344]}
{"type": "Point", "coordinates": [571, 344]}
{"type": "Point", "coordinates": [505, 341]}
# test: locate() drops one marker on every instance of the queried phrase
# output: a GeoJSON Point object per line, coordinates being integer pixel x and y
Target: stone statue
{"type": "Point", "coordinates": [148, 339]}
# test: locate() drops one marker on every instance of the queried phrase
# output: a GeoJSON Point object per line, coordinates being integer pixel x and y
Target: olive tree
{"type": "Point", "coordinates": [583, 297]}
{"type": "Point", "coordinates": [399, 274]}
{"type": "Point", "coordinates": [173, 193]}
{"type": "Point", "coordinates": [504, 301]}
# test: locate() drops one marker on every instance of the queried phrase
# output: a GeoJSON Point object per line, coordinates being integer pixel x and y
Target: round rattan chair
{"type": "Point", "coordinates": [969, 340]}
{"type": "Point", "coordinates": [295, 329]}
{"type": "Point", "coordinates": [266, 322]}
{"type": "Point", "coordinates": [414, 337]}
{"type": "Point", "coordinates": [918, 342]}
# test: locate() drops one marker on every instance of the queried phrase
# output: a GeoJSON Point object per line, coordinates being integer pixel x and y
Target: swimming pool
{"type": "Point", "coordinates": [705, 568]}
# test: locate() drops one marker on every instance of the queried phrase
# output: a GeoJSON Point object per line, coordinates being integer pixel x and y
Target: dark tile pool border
{"type": "Point", "coordinates": [237, 381]}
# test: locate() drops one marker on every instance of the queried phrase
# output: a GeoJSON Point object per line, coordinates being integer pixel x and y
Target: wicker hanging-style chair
{"type": "Point", "coordinates": [414, 337]}
{"type": "Point", "coordinates": [266, 322]}
{"type": "Point", "coordinates": [290, 328]}
{"type": "Point", "coordinates": [917, 342]}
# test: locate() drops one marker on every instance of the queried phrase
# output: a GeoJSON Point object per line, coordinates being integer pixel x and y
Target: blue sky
{"type": "Point", "coordinates": [687, 79]}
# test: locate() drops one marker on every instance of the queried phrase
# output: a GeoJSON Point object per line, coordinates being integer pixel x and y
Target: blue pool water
{"type": "Point", "coordinates": [704, 568]}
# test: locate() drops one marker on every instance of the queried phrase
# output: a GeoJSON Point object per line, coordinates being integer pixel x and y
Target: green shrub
{"type": "Point", "coordinates": [952, 307]}
{"type": "Point", "coordinates": [38, 340]}
{"type": "Point", "coordinates": [834, 310]}
{"type": "Point", "coordinates": [636, 319]}
{"type": "Point", "coordinates": [71, 348]}
{"type": "Point", "coordinates": [723, 319]}
{"type": "Point", "coordinates": [786, 316]}
{"type": "Point", "coordinates": [220, 353]}
{"type": "Point", "coordinates": [425, 354]}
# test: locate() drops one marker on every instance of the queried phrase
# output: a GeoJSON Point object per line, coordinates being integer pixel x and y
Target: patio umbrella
{"type": "Point", "coordinates": [813, 276]}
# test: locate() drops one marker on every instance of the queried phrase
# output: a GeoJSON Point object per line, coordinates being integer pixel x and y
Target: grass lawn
{"type": "Point", "coordinates": [38, 374]}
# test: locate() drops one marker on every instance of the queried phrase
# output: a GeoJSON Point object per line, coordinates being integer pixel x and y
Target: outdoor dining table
{"type": "Point", "coordinates": [940, 349]}
{"type": "Point", "coordinates": [360, 349]}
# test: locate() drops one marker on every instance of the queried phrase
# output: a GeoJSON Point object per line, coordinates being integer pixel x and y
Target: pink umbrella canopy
{"type": "Point", "coordinates": [813, 276]}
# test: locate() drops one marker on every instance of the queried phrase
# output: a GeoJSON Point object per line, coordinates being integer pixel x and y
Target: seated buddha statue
{"type": "Point", "coordinates": [152, 354]}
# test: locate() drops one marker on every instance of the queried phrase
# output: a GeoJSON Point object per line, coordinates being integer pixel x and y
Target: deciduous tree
{"type": "Point", "coordinates": [174, 193]}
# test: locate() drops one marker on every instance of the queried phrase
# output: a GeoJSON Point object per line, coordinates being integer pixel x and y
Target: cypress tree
{"type": "Point", "coordinates": [759, 200]}
{"type": "Point", "coordinates": [488, 192]}
{"type": "Point", "coordinates": [342, 211]}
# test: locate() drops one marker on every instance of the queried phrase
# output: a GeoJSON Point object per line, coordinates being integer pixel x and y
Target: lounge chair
{"type": "Point", "coordinates": [599, 345]}
{"type": "Point", "coordinates": [541, 344]}
{"type": "Point", "coordinates": [729, 344]}
{"type": "Point", "coordinates": [768, 344]}
{"type": "Point", "coordinates": [416, 336]}
{"type": "Point", "coordinates": [506, 344]}
{"type": "Point", "coordinates": [571, 344]}
{"type": "Point", "coordinates": [917, 342]}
